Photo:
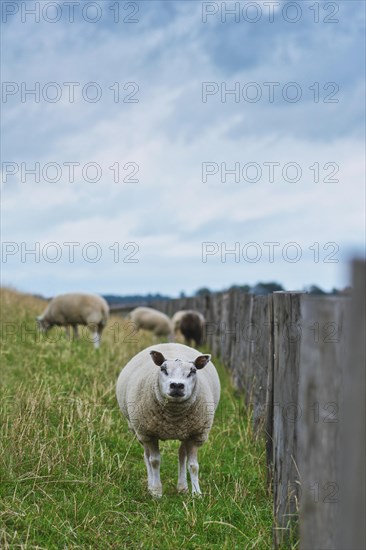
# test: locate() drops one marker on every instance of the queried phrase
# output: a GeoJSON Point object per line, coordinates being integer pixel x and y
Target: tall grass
{"type": "Point", "coordinates": [73, 476]}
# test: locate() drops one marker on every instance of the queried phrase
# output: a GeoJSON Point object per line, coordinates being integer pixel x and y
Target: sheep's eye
{"type": "Point", "coordinates": [164, 370]}
{"type": "Point", "coordinates": [192, 371]}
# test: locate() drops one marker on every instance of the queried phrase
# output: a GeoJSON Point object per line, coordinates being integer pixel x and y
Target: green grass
{"type": "Point", "coordinates": [73, 476]}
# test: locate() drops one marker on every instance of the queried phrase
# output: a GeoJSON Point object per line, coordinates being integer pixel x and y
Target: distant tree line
{"type": "Point", "coordinates": [134, 298]}
{"type": "Point", "coordinates": [268, 288]}
{"type": "Point", "coordinates": [259, 288]}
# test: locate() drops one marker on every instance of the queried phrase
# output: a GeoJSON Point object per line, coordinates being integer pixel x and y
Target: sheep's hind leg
{"type": "Point", "coordinates": [152, 456]}
{"type": "Point", "coordinates": [148, 465]}
{"type": "Point", "coordinates": [192, 451]}
{"type": "Point", "coordinates": [182, 469]}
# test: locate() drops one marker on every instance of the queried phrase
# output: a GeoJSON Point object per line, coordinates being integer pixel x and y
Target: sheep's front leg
{"type": "Point", "coordinates": [96, 339]}
{"type": "Point", "coordinates": [192, 452]}
{"type": "Point", "coordinates": [182, 469]}
{"type": "Point", "coordinates": [152, 461]}
{"type": "Point", "coordinates": [75, 329]}
{"type": "Point", "coordinates": [95, 333]}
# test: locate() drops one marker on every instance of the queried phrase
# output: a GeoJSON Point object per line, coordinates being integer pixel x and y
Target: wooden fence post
{"type": "Point", "coordinates": [323, 345]}
{"type": "Point", "coordinates": [269, 395]}
{"type": "Point", "coordinates": [287, 335]}
{"type": "Point", "coordinates": [260, 354]}
{"type": "Point", "coordinates": [351, 524]}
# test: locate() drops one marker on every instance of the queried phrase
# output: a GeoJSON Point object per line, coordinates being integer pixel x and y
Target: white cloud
{"type": "Point", "coordinates": [169, 133]}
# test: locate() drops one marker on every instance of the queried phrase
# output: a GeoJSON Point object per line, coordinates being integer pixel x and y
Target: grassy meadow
{"type": "Point", "coordinates": [73, 476]}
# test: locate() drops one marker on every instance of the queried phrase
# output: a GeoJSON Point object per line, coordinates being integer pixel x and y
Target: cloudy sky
{"type": "Point", "coordinates": [160, 136]}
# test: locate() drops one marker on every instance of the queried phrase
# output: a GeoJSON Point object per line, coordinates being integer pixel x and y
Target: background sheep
{"type": "Point", "coordinates": [176, 324]}
{"type": "Point", "coordinates": [189, 325]}
{"type": "Point", "coordinates": [173, 399]}
{"type": "Point", "coordinates": [76, 309]}
{"type": "Point", "coordinates": [148, 318]}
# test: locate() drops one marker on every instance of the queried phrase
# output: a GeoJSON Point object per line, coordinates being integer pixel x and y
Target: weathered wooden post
{"type": "Point", "coordinates": [322, 353]}
{"type": "Point", "coordinates": [260, 356]}
{"type": "Point", "coordinates": [227, 331]}
{"type": "Point", "coordinates": [287, 337]}
{"type": "Point", "coordinates": [351, 524]}
{"type": "Point", "coordinates": [240, 354]}
{"type": "Point", "coordinates": [269, 395]}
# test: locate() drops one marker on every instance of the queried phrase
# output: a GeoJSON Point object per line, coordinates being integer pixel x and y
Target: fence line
{"type": "Point", "coordinates": [288, 355]}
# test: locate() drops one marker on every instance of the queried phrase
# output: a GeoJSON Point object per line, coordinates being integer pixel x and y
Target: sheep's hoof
{"type": "Point", "coordinates": [182, 488]}
{"type": "Point", "coordinates": [156, 492]}
{"type": "Point", "coordinates": [196, 494]}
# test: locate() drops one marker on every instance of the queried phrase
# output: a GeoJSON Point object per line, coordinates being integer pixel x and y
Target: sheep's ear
{"type": "Point", "coordinates": [157, 357]}
{"type": "Point", "coordinates": [202, 361]}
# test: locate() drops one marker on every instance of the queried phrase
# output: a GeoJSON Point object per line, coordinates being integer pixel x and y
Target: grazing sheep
{"type": "Point", "coordinates": [173, 399]}
{"type": "Point", "coordinates": [190, 325]}
{"type": "Point", "coordinates": [76, 309]}
{"type": "Point", "coordinates": [148, 318]}
{"type": "Point", "coordinates": [176, 324]}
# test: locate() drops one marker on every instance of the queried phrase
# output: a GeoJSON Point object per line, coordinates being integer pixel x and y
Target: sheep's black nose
{"type": "Point", "coordinates": [174, 386]}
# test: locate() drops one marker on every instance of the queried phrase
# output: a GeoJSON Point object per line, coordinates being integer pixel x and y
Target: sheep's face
{"type": "Point", "coordinates": [177, 378]}
{"type": "Point", "coordinates": [42, 325]}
